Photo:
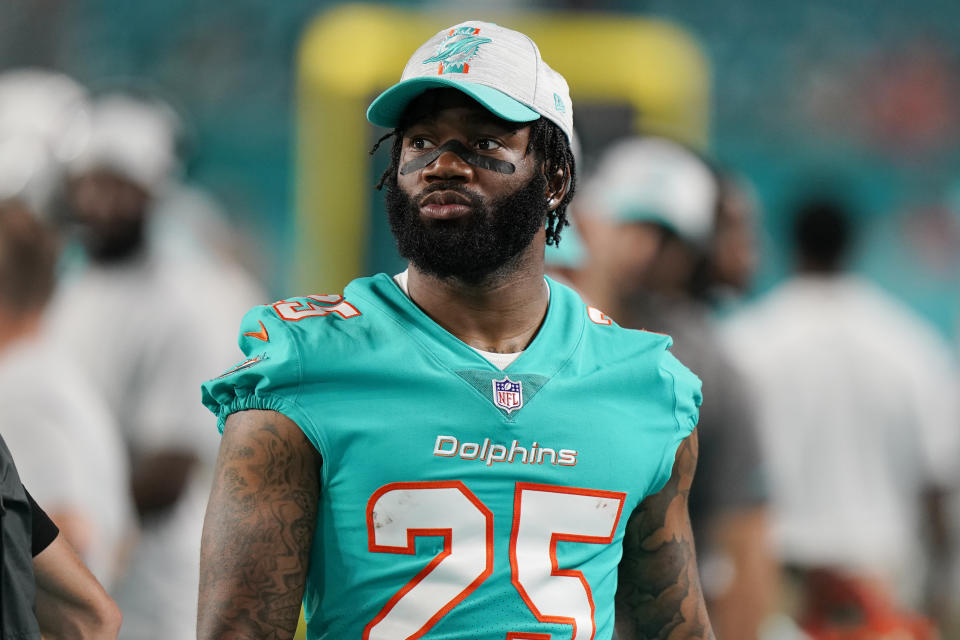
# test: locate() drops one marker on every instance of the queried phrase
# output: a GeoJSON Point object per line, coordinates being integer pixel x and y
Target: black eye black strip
{"type": "Point", "coordinates": [466, 154]}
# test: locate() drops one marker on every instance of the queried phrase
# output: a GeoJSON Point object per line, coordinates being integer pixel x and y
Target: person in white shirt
{"type": "Point", "coordinates": [856, 396]}
{"type": "Point", "coordinates": [147, 326]}
{"type": "Point", "coordinates": [66, 443]}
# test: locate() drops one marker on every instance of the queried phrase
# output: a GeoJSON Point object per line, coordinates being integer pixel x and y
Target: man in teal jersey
{"type": "Point", "coordinates": [465, 449]}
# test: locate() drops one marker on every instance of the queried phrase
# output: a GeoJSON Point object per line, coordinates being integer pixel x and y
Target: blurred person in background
{"type": "Point", "coordinates": [66, 443]}
{"type": "Point", "coordinates": [37, 110]}
{"type": "Point", "coordinates": [648, 219]}
{"type": "Point", "coordinates": [733, 252]}
{"type": "Point", "coordinates": [44, 587]}
{"type": "Point", "coordinates": [857, 403]}
{"type": "Point", "coordinates": [146, 326]}
{"type": "Point", "coordinates": [54, 413]}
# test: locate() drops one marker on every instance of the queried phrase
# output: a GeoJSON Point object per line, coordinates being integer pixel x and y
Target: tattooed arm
{"type": "Point", "coordinates": [658, 593]}
{"type": "Point", "coordinates": [257, 530]}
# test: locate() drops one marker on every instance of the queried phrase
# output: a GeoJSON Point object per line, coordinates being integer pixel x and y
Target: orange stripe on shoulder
{"type": "Point", "coordinates": [259, 335]}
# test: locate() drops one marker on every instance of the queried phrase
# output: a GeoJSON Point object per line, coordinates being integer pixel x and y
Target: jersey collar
{"type": "Point", "coordinates": [551, 348]}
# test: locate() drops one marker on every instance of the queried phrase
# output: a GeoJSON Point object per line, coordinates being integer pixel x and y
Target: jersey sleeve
{"type": "Point", "coordinates": [269, 377]}
{"type": "Point", "coordinates": [43, 531]}
{"type": "Point", "coordinates": [686, 398]}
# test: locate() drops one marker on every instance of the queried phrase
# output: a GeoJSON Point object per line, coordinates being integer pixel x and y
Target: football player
{"type": "Point", "coordinates": [465, 449]}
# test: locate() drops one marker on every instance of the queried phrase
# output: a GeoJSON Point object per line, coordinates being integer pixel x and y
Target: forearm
{"type": "Point", "coordinates": [659, 595]}
{"type": "Point", "coordinates": [71, 604]}
{"type": "Point", "coordinates": [257, 530]}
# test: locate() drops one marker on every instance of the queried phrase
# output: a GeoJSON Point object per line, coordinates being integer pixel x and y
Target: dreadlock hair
{"type": "Point", "coordinates": [547, 141]}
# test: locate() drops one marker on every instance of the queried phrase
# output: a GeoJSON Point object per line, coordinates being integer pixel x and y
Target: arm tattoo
{"type": "Point", "coordinates": [258, 529]}
{"type": "Point", "coordinates": [658, 593]}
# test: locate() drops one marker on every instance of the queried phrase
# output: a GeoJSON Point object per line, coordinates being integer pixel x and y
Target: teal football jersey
{"type": "Point", "coordinates": [458, 500]}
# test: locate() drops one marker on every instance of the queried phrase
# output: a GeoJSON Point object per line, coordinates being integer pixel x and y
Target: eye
{"type": "Point", "coordinates": [487, 144]}
{"type": "Point", "coordinates": [420, 143]}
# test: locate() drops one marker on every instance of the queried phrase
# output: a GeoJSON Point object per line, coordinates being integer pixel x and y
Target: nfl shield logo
{"type": "Point", "coordinates": [507, 394]}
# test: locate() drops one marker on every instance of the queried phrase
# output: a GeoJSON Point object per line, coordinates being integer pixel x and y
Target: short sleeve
{"type": "Point", "coordinates": [684, 391]}
{"type": "Point", "coordinates": [269, 376]}
{"type": "Point", "coordinates": [687, 391]}
{"type": "Point", "coordinates": [44, 531]}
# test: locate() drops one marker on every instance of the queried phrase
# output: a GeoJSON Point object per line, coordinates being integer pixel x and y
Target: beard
{"type": "Point", "coordinates": [488, 240]}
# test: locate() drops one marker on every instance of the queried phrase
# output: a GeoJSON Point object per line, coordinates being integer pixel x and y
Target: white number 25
{"type": "Point", "coordinates": [543, 515]}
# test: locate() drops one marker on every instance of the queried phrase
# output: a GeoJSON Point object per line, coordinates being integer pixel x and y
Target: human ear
{"type": "Point", "coordinates": [558, 183]}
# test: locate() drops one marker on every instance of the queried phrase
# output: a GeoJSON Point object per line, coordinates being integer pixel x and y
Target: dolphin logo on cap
{"type": "Point", "coordinates": [457, 49]}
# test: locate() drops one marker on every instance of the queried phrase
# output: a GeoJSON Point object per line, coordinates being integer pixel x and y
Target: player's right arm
{"type": "Point", "coordinates": [258, 529]}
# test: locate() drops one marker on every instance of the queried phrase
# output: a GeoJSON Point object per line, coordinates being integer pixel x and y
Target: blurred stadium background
{"type": "Point", "coordinates": [861, 99]}
{"type": "Point", "coordinates": [864, 94]}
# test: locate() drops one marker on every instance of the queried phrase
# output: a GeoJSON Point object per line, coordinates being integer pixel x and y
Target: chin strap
{"type": "Point", "coordinates": [466, 154]}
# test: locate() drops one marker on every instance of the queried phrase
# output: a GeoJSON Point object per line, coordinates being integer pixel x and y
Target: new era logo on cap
{"type": "Point", "coordinates": [498, 67]}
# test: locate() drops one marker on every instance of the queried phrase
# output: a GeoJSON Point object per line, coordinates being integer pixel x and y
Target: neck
{"type": "Point", "coordinates": [500, 314]}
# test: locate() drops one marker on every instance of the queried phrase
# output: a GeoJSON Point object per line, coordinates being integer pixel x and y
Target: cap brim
{"type": "Point", "coordinates": [389, 106]}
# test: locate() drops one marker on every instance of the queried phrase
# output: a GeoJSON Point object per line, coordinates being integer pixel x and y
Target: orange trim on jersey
{"type": "Point", "coordinates": [410, 549]}
{"type": "Point", "coordinates": [295, 310]}
{"type": "Point", "coordinates": [259, 335]}
{"type": "Point", "coordinates": [516, 635]}
{"type": "Point", "coordinates": [656, 333]}
{"type": "Point", "coordinates": [554, 539]}
{"type": "Point", "coordinates": [597, 316]}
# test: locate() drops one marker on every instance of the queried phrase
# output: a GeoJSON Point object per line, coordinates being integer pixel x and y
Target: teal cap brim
{"type": "Point", "coordinates": [389, 106]}
{"type": "Point", "coordinates": [627, 215]}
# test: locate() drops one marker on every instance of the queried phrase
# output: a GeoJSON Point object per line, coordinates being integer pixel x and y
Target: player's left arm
{"type": "Point", "coordinates": [658, 593]}
{"type": "Point", "coordinates": [258, 529]}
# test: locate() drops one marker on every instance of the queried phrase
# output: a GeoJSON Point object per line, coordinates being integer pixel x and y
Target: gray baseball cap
{"type": "Point", "coordinates": [651, 179]}
{"type": "Point", "coordinates": [498, 67]}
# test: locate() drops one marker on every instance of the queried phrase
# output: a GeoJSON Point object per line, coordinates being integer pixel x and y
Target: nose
{"type": "Point", "coordinates": [448, 166]}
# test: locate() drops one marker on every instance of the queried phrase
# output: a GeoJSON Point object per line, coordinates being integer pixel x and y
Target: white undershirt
{"type": "Point", "coordinates": [499, 360]}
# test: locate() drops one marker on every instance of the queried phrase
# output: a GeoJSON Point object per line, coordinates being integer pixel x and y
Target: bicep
{"type": "Point", "coordinates": [658, 592]}
{"type": "Point", "coordinates": [258, 527]}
